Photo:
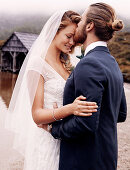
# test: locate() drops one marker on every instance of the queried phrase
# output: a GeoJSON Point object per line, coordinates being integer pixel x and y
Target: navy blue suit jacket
{"type": "Point", "coordinates": [90, 143]}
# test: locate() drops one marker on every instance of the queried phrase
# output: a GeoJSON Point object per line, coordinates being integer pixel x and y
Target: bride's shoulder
{"type": "Point", "coordinates": [39, 65]}
{"type": "Point", "coordinates": [46, 70]}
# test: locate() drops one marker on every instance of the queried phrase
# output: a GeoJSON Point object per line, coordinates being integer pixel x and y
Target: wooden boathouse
{"type": "Point", "coordinates": [15, 49]}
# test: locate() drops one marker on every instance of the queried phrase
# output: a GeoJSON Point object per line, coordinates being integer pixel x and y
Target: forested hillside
{"type": "Point", "coordinates": [31, 23]}
{"type": "Point", "coordinates": [120, 49]}
{"type": "Point", "coordinates": [20, 23]}
{"type": "Point", "coordinates": [119, 45]}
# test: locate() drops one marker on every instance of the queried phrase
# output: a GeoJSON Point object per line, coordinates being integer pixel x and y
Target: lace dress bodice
{"type": "Point", "coordinates": [53, 87]}
{"type": "Point", "coordinates": [45, 152]}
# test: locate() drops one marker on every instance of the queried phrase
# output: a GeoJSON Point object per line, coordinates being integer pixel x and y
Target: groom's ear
{"type": "Point", "coordinates": [89, 26]}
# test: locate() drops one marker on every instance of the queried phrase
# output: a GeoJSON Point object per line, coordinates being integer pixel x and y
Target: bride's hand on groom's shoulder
{"type": "Point", "coordinates": [83, 108]}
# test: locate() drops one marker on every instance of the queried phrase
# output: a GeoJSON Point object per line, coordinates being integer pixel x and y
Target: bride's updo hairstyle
{"type": "Point", "coordinates": [68, 18]}
{"type": "Point", "coordinates": [104, 18]}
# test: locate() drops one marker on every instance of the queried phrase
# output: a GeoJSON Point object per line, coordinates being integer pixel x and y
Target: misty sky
{"type": "Point", "coordinates": [122, 7]}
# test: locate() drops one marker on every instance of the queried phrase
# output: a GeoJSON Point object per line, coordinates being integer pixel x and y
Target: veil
{"type": "Point", "coordinates": [19, 117]}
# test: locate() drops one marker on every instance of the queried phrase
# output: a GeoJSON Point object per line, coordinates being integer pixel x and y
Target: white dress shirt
{"type": "Point", "coordinates": [95, 44]}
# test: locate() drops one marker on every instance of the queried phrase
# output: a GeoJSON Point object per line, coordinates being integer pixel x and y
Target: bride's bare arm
{"type": "Point", "coordinates": [42, 115]}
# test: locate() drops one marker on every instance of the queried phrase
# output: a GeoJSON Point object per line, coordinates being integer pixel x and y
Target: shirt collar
{"type": "Point", "coordinates": [95, 44]}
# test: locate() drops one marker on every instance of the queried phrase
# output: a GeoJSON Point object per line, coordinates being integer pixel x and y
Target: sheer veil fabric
{"type": "Point", "coordinates": [19, 117]}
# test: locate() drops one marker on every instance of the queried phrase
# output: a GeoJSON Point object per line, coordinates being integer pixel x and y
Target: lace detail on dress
{"type": "Point", "coordinates": [45, 155]}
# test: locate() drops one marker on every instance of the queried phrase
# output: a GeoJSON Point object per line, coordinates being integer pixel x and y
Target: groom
{"type": "Point", "coordinates": [90, 143]}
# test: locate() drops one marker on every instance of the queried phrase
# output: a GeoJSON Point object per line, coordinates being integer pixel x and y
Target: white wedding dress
{"type": "Point", "coordinates": [42, 152]}
{"type": "Point", "coordinates": [39, 149]}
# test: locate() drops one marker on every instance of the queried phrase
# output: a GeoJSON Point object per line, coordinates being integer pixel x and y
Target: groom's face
{"type": "Point", "coordinates": [81, 35]}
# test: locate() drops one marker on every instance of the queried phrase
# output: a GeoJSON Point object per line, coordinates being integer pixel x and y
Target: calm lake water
{"type": "Point", "coordinates": [7, 83]}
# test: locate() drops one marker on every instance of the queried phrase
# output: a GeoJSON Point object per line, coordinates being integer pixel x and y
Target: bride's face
{"type": "Point", "coordinates": [64, 40]}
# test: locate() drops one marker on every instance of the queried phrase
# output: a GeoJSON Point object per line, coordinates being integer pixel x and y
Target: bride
{"type": "Point", "coordinates": [41, 84]}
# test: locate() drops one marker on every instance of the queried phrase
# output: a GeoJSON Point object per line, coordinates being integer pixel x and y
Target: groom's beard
{"type": "Point", "coordinates": [81, 35]}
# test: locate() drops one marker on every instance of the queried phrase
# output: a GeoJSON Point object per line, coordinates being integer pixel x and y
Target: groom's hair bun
{"type": "Point", "coordinates": [104, 18]}
{"type": "Point", "coordinates": [117, 25]}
